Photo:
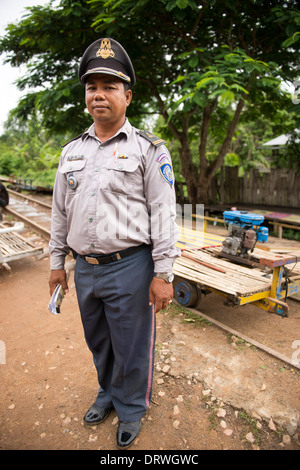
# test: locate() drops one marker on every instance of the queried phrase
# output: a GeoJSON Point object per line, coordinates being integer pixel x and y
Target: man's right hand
{"type": "Point", "coordinates": [58, 276]}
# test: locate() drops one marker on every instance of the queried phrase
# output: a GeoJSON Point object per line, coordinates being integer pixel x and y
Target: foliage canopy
{"type": "Point", "coordinates": [204, 66]}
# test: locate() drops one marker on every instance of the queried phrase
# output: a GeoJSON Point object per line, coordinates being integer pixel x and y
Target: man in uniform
{"type": "Point", "coordinates": [114, 207]}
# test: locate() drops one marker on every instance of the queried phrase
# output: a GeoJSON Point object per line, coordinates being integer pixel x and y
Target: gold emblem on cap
{"type": "Point", "coordinates": [105, 50]}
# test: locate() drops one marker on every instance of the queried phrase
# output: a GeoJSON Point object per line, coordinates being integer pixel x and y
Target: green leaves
{"type": "Point", "coordinates": [182, 4]}
{"type": "Point", "coordinates": [199, 65]}
{"type": "Point", "coordinates": [30, 154]}
{"type": "Point", "coordinates": [228, 79]}
{"type": "Point", "coordinates": [292, 40]}
{"type": "Point", "coordinates": [225, 80]}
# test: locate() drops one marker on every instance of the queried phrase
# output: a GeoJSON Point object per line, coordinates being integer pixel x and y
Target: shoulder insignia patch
{"type": "Point", "coordinates": [157, 141]}
{"type": "Point", "coordinates": [161, 157]}
{"type": "Point", "coordinates": [166, 172]}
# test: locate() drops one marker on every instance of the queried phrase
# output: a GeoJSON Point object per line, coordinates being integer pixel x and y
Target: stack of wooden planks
{"type": "Point", "coordinates": [202, 267]}
{"type": "Point", "coordinates": [189, 238]}
{"type": "Point", "coordinates": [13, 247]}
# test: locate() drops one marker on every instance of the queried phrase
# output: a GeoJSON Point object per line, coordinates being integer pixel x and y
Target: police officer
{"type": "Point", "coordinates": [114, 207]}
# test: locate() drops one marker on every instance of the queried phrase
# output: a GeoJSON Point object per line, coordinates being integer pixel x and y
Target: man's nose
{"type": "Point", "coordinates": [99, 95]}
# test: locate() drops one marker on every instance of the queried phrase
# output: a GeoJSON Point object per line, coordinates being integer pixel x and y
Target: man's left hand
{"type": "Point", "coordinates": [160, 292]}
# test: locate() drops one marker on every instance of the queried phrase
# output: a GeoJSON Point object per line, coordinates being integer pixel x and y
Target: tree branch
{"type": "Point", "coordinates": [204, 134]}
{"type": "Point", "coordinates": [161, 104]}
{"type": "Point", "coordinates": [198, 20]}
{"type": "Point", "coordinates": [218, 162]}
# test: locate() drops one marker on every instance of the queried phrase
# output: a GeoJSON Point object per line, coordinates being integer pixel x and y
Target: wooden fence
{"type": "Point", "coordinates": [278, 187]}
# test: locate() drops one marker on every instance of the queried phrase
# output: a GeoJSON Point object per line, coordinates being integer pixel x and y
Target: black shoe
{"type": "Point", "coordinates": [96, 415]}
{"type": "Point", "coordinates": [126, 433]}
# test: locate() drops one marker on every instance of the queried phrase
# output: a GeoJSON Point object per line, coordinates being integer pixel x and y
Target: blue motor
{"type": "Point", "coordinates": [262, 234]}
{"type": "Point", "coordinates": [244, 230]}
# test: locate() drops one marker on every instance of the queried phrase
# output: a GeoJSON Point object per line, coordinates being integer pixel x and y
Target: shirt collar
{"type": "Point", "coordinates": [125, 129]}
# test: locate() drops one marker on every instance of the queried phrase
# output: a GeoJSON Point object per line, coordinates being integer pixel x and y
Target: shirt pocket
{"type": "Point", "coordinates": [74, 174]}
{"type": "Point", "coordinates": [121, 176]}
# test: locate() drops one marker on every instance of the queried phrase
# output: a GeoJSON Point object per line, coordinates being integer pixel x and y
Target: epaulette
{"type": "Point", "coordinates": [157, 141]}
{"type": "Point", "coordinates": [75, 138]}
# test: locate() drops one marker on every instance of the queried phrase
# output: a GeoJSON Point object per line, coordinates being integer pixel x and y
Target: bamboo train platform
{"type": "Point", "coordinates": [265, 279]}
{"type": "Point", "coordinates": [14, 247]}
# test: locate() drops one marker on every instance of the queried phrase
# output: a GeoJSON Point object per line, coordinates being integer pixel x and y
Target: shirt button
{"type": "Point", "coordinates": [91, 219]}
{"type": "Point", "coordinates": [101, 147]}
{"type": "Point", "coordinates": [97, 169]}
{"type": "Point", "coordinates": [92, 245]}
{"type": "Point", "coordinates": [93, 193]}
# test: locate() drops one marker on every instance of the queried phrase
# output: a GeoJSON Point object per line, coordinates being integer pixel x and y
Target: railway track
{"type": "Point", "coordinates": [37, 215]}
{"type": "Point", "coordinates": [33, 212]}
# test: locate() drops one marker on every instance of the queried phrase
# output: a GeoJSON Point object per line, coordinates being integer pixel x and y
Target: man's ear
{"type": "Point", "coordinates": [128, 95]}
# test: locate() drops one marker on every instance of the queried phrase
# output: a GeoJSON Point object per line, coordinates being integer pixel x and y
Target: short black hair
{"type": "Point", "coordinates": [126, 86]}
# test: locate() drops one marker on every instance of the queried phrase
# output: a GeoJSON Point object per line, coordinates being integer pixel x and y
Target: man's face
{"type": "Point", "coordinates": [106, 99]}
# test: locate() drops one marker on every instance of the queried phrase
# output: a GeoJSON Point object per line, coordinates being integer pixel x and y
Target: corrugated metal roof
{"type": "Point", "coordinates": [279, 141]}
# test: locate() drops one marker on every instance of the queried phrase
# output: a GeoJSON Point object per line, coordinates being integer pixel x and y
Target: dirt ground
{"type": "Point", "coordinates": [211, 391]}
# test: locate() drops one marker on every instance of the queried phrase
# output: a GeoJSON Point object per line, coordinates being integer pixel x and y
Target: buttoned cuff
{"type": "Point", "coordinates": [164, 265]}
{"type": "Point", "coordinates": [57, 262]}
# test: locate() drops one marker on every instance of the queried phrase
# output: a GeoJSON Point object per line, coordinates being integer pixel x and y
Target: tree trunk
{"type": "Point", "coordinates": [198, 178]}
{"type": "Point", "coordinates": [207, 172]}
{"type": "Point", "coordinates": [203, 187]}
{"type": "Point", "coordinates": [188, 169]}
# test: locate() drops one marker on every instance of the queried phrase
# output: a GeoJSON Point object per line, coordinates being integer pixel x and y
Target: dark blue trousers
{"type": "Point", "coordinates": [119, 328]}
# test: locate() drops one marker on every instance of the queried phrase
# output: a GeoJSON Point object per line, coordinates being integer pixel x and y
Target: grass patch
{"type": "Point", "coordinates": [187, 316]}
{"type": "Point", "coordinates": [240, 343]}
{"type": "Point", "coordinates": [250, 426]}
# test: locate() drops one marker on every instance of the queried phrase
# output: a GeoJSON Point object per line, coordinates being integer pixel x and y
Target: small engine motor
{"type": "Point", "coordinates": [243, 232]}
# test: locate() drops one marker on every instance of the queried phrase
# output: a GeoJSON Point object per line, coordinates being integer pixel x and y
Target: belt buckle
{"type": "Point", "coordinates": [91, 260]}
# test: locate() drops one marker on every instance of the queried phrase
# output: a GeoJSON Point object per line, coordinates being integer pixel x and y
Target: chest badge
{"type": "Point", "coordinates": [72, 181]}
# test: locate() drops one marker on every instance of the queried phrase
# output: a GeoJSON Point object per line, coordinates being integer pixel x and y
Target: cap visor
{"type": "Point", "coordinates": [106, 71]}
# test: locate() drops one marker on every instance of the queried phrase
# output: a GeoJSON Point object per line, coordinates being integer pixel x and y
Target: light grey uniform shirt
{"type": "Point", "coordinates": [114, 195]}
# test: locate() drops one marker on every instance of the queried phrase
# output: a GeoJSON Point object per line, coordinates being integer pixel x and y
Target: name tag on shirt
{"type": "Point", "coordinates": [72, 158]}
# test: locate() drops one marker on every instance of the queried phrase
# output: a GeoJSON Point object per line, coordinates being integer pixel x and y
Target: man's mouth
{"type": "Point", "coordinates": [100, 106]}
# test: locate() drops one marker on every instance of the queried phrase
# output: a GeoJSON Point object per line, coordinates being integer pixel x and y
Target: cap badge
{"type": "Point", "coordinates": [105, 50]}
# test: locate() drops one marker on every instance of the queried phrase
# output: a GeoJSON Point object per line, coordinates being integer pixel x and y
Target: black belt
{"type": "Point", "coordinates": [111, 257]}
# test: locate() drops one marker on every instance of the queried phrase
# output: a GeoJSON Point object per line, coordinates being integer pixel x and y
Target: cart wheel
{"type": "Point", "coordinates": [185, 293]}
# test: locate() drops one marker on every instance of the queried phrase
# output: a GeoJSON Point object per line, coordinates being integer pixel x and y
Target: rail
{"type": "Point", "coordinates": [16, 209]}
{"type": "Point", "coordinates": [45, 232]}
